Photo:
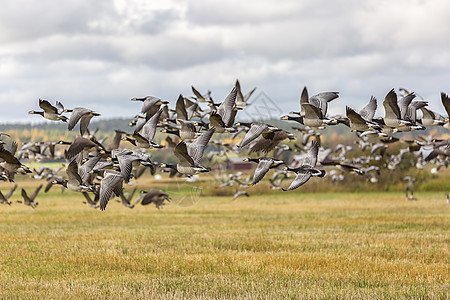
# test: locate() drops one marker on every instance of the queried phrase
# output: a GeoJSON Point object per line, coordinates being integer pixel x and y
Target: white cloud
{"type": "Point", "coordinates": [106, 52]}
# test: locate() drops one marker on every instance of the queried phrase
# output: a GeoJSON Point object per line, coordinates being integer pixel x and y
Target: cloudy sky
{"type": "Point", "coordinates": [100, 54]}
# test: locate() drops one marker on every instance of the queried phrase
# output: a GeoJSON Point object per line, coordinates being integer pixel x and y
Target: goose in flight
{"type": "Point", "coordinates": [84, 116]}
{"type": "Point", "coordinates": [74, 182]}
{"type": "Point", "coordinates": [4, 199]}
{"type": "Point", "coordinates": [148, 102]}
{"type": "Point", "coordinates": [264, 165]}
{"type": "Point", "coordinates": [154, 196]}
{"type": "Point", "coordinates": [307, 168]}
{"type": "Point", "coordinates": [50, 112]}
{"type": "Point", "coordinates": [29, 200]}
{"type": "Point", "coordinates": [11, 164]}
{"type": "Point", "coordinates": [446, 103]}
{"type": "Point", "coordinates": [314, 117]}
{"type": "Point", "coordinates": [358, 123]}
{"type": "Point", "coordinates": [270, 139]}
{"type": "Point", "coordinates": [319, 100]}
{"type": "Point", "coordinates": [112, 182]}
{"type": "Point", "coordinates": [189, 157]}
{"type": "Point", "coordinates": [256, 129]}
{"type": "Point", "coordinates": [226, 110]}
{"type": "Point", "coordinates": [392, 113]}
{"type": "Point", "coordinates": [240, 193]}
{"type": "Point", "coordinates": [241, 100]}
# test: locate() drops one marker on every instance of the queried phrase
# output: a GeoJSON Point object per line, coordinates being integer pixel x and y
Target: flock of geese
{"type": "Point", "coordinates": [195, 127]}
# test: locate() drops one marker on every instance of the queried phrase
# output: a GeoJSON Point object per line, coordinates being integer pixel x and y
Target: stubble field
{"type": "Point", "coordinates": [284, 245]}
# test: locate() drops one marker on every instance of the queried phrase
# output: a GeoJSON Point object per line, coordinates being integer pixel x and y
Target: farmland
{"type": "Point", "coordinates": [279, 245]}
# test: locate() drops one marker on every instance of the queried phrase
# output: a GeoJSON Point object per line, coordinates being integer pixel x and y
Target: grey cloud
{"type": "Point", "coordinates": [78, 47]}
{"type": "Point", "coordinates": [175, 52]}
{"type": "Point", "coordinates": [158, 21]}
{"type": "Point", "coordinates": [27, 19]}
{"type": "Point", "coordinates": [101, 54]}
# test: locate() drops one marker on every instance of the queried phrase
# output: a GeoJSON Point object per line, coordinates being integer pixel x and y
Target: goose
{"type": "Point", "coordinates": [314, 117]}
{"type": "Point", "coordinates": [307, 169]}
{"type": "Point", "coordinates": [80, 144]}
{"type": "Point", "coordinates": [44, 172]}
{"type": "Point", "coordinates": [148, 102]}
{"type": "Point", "coordinates": [141, 142]}
{"type": "Point", "coordinates": [269, 140]}
{"type": "Point", "coordinates": [408, 112]}
{"type": "Point", "coordinates": [50, 112]}
{"type": "Point", "coordinates": [431, 118]}
{"type": "Point", "coordinates": [319, 100]}
{"type": "Point", "coordinates": [215, 121]}
{"type": "Point", "coordinates": [393, 116]}
{"type": "Point", "coordinates": [74, 182]}
{"type": "Point", "coordinates": [343, 166]}
{"type": "Point", "coordinates": [409, 193]}
{"type": "Point", "coordinates": [29, 200]}
{"type": "Point", "coordinates": [189, 157]}
{"type": "Point", "coordinates": [264, 164]}
{"type": "Point", "coordinates": [137, 122]}
{"type": "Point", "coordinates": [149, 129]}
{"type": "Point", "coordinates": [171, 169]}
{"type": "Point", "coordinates": [241, 100]}
{"type": "Point", "coordinates": [187, 130]}
{"type": "Point", "coordinates": [144, 139]}
{"type": "Point", "coordinates": [368, 111]}
{"type": "Point", "coordinates": [127, 162]}
{"type": "Point", "coordinates": [180, 108]}
{"type": "Point", "coordinates": [115, 142]}
{"type": "Point", "coordinates": [440, 149]}
{"type": "Point", "coordinates": [240, 193]}
{"type": "Point", "coordinates": [11, 165]}
{"type": "Point", "coordinates": [311, 134]}
{"type": "Point", "coordinates": [154, 196]}
{"type": "Point", "coordinates": [357, 122]}
{"type": "Point", "coordinates": [256, 129]}
{"type": "Point", "coordinates": [84, 116]}
{"type": "Point", "coordinates": [277, 178]}
{"type": "Point", "coordinates": [85, 170]}
{"type": "Point", "coordinates": [226, 108]}
{"type": "Point", "coordinates": [408, 107]}
{"type": "Point", "coordinates": [140, 170]}
{"type": "Point", "coordinates": [4, 199]}
{"type": "Point", "coordinates": [111, 183]}
{"type": "Point", "coordinates": [446, 103]}
{"type": "Point", "coordinates": [199, 97]}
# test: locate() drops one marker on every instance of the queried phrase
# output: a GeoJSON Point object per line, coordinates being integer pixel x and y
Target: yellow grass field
{"type": "Point", "coordinates": [287, 245]}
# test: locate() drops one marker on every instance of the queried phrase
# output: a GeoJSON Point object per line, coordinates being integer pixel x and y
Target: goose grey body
{"type": "Point", "coordinates": [49, 111]}
{"type": "Point", "coordinates": [111, 183]}
{"type": "Point", "coordinates": [189, 157]}
{"type": "Point", "coordinates": [306, 169]}
{"type": "Point", "coordinates": [154, 196]}
{"type": "Point", "coordinates": [264, 165]}
{"type": "Point", "coordinates": [29, 200]}
{"type": "Point", "coordinates": [4, 199]}
{"type": "Point", "coordinates": [256, 128]}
